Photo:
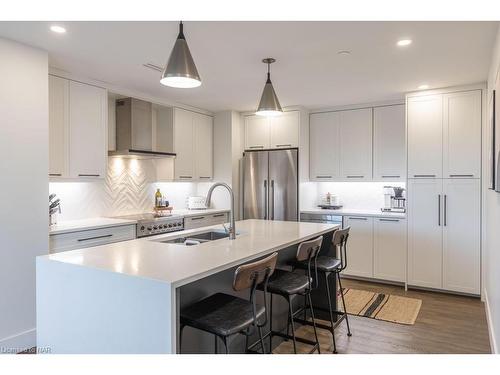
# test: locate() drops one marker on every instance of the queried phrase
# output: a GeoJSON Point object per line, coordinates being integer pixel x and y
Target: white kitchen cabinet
{"type": "Point", "coordinates": [193, 144]}
{"type": "Point", "coordinates": [272, 132]}
{"type": "Point", "coordinates": [389, 249]}
{"type": "Point", "coordinates": [425, 136]}
{"type": "Point", "coordinates": [284, 130]}
{"type": "Point", "coordinates": [461, 235]}
{"type": "Point", "coordinates": [257, 132]}
{"type": "Point", "coordinates": [324, 150]}
{"type": "Point", "coordinates": [359, 246]}
{"type": "Point", "coordinates": [93, 237]}
{"type": "Point", "coordinates": [389, 143]}
{"type": "Point", "coordinates": [356, 144]}
{"type": "Point", "coordinates": [203, 151]}
{"type": "Point", "coordinates": [58, 126]}
{"type": "Point", "coordinates": [87, 130]}
{"type": "Point", "coordinates": [462, 134]}
{"type": "Point", "coordinates": [425, 233]}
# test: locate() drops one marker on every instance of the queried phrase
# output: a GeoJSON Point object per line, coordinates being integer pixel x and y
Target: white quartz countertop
{"type": "Point", "coordinates": [355, 212]}
{"type": "Point", "coordinates": [179, 264]}
{"type": "Point", "coordinates": [68, 226]}
{"type": "Point", "coordinates": [87, 224]}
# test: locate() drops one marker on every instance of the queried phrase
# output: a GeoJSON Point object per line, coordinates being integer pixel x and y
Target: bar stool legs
{"type": "Point", "coordinates": [330, 310]}
{"type": "Point", "coordinates": [343, 305]}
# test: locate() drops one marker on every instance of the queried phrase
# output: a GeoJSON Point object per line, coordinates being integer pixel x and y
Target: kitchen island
{"type": "Point", "coordinates": [126, 297]}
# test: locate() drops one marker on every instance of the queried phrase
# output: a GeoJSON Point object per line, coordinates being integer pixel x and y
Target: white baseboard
{"type": "Point", "coordinates": [18, 343]}
{"type": "Point", "coordinates": [491, 329]}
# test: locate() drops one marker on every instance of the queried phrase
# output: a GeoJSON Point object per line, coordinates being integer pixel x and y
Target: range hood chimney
{"type": "Point", "coordinates": [134, 131]}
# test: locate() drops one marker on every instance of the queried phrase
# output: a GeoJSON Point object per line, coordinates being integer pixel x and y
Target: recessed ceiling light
{"type": "Point", "coordinates": [404, 42]}
{"type": "Point", "coordinates": [344, 52]}
{"type": "Point", "coordinates": [423, 87]}
{"type": "Point", "coordinates": [57, 29]}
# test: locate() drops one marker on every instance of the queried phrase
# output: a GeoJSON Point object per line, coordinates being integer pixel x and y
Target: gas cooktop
{"type": "Point", "coordinates": [149, 224]}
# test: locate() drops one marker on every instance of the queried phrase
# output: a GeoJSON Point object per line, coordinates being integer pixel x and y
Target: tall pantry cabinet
{"type": "Point", "coordinates": [444, 190]}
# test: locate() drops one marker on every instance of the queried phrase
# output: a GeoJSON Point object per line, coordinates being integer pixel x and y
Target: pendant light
{"type": "Point", "coordinates": [269, 104]}
{"type": "Point", "coordinates": [180, 70]}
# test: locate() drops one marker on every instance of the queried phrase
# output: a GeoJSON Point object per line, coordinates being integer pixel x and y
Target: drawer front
{"type": "Point", "coordinates": [205, 220]}
{"type": "Point", "coordinates": [88, 238]}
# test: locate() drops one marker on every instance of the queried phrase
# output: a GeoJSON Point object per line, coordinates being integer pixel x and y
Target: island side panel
{"type": "Point", "coordinates": [89, 311]}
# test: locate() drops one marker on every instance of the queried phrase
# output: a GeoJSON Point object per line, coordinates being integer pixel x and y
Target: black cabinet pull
{"type": "Point", "coordinates": [219, 215]}
{"type": "Point", "coordinates": [388, 176]}
{"type": "Point", "coordinates": [198, 218]}
{"type": "Point", "coordinates": [55, 174]}
{"type": "Point", "coordinates": [88, 175]}
{"type": "Point", "coordinates": [94, 238]}
{"type": "Point", "coordinates": [424, 175]}
{"type": "Point", "coordinates": [323, 176]}
{"type": "Point", "coordinates": [461, 175]}
{"type": "Point", "coordinates": [393, 220]}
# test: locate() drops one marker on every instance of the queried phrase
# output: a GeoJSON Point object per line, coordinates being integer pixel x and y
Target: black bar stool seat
{"type": "Point", "coordinates": [323, 264]}
{"type": "Point", "coordinates": [221, 314]}
{"type": "Point", "coordinates": [286, 283]}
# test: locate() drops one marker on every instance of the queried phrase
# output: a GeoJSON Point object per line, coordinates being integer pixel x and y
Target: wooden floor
{"type": "Point", "coordinates": [446, 324]}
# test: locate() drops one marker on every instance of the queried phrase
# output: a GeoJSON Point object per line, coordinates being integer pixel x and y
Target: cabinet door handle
{"type": "Point", "coordinates": [205, 177]}
{"type": "Point", "coordinates": [55, 174]}
{"type": "Point", "coordinates": [461, 175]}
{"type": "Point", "coordinates": [424, 175]}
{"type": "Point", "coordinates": [355, 176]}
{"type": "Point", "coordinates": [323, 176]}
{"type": "Point", "coordinates": [198, 218]}
{"type": "Point", "coordinates": [389, 176]}
{"type": "Point", "coordinates": [88, 175]}
{"type": "Point", "coordinates": [439, 209]}
{"type": "Point", "coordinates": [94, 238]}
{"type": "Point", "coordinates": [287, 145]}
{"type": "Point", "coordinates": [256, 147]}
{"type": "Point", "coordinates": [185, 176]}
{"type": "Point", "coordinates": [445, 209]}
{"type": "Point", "coordinates": [219, 215]}
{"type": "Point", "coordinates": [358, 218]}
{"type": "Point", "coordinates": [393, 220]}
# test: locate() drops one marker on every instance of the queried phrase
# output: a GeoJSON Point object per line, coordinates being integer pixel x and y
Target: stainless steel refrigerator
{"type": "Point", "coordinates": [270, 185]}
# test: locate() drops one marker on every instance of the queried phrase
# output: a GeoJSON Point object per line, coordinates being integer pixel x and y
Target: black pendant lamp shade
{"type": "Point", "coordinates": [180, 71]}
{"type": "Point", "coordinates": [269, 104]}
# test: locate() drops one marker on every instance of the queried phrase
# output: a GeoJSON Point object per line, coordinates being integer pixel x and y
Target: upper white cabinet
{"type": "Point", "coordinates": [77, 129]}
{"type": "Point", "coordinates": [389, 249]}
{"type": "Point", "coordinates": [340, 145]}
{"type": "Point", "coordinates": [324, 150]}
{"type": "Point", "coordinates": [203, 134]}
{"type": "Point", "coordinates": [389, 145]}
{"type": "Point", "coordinates": [356, 144]}
{"type": "Point", "coordinates": [87, 130]}
{"type": "Point", "coordinates": [444, 135]}
{"type": "Point", "coordinates": [58, 126]}
{"type": "Point", "coordinates": [284, 130]}
{"type": "Point", "coordinates": [462, 134]}
{"type": "Point", "coordinates": [193, 144]}
{"type": "Point", "coordinates": [272, 132]}
{"type": "Point", "coordinates": [425, 136]}
{"type": "Point", "coordinates": [359, 246]}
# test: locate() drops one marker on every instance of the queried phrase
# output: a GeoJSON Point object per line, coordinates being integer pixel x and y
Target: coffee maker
{"type": "Point", "coordinates": [394, 199]}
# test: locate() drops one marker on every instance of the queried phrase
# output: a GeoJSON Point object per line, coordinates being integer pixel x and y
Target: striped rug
{"type": "Point", "coordinates": [388, 307]}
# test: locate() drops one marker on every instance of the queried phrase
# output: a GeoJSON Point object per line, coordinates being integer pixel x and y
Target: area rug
{"type": "Point", "coordinates": [388, 307]}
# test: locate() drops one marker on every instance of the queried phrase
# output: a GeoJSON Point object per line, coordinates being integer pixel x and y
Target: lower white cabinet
{"type": "Point", "coordinates": [359, 246]}
{"type": "Point", "coordinates": [444, 234]}
{"type": "Point", "coordinates": [193, 222]}
{"type": "Point", "coordinates": [92, 237]}
{"type": "Point", "coordinates": [389, 249]}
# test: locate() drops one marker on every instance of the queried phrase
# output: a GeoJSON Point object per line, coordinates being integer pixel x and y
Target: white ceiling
{"type": "Point", "coordinates": [308, 71]}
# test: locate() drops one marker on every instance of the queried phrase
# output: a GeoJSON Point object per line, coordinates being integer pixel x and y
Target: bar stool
{"type": "Point", "coordinates": [224, 315]}
{"type": "Point", "coordinates": [290, 284]}
{"type": "Point", "coordinates": [328, 265]}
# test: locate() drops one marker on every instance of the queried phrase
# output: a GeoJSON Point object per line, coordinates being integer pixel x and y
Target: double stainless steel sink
{"type": "Point", "coordinates": [198, 238]}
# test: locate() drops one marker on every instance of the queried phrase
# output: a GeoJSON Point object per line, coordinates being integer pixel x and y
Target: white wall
{"type": "Point", "coordinates": [491, 217]}
{"type": "Point", "coordinates": [24, 182]}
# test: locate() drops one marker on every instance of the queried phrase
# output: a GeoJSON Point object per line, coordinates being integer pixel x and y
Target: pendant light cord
{"type": "Point", "coordinates": [268, 73]}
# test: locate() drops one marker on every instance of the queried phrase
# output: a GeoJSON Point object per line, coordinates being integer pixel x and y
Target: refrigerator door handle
{"type": "Point", "coordinates": [272, 196]}
{"type": "Point", "coordinates": [265, 200]}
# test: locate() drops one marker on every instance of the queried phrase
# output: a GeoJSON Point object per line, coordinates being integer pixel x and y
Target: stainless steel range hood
{"type": "Point", "coordinates": [136, 122]}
